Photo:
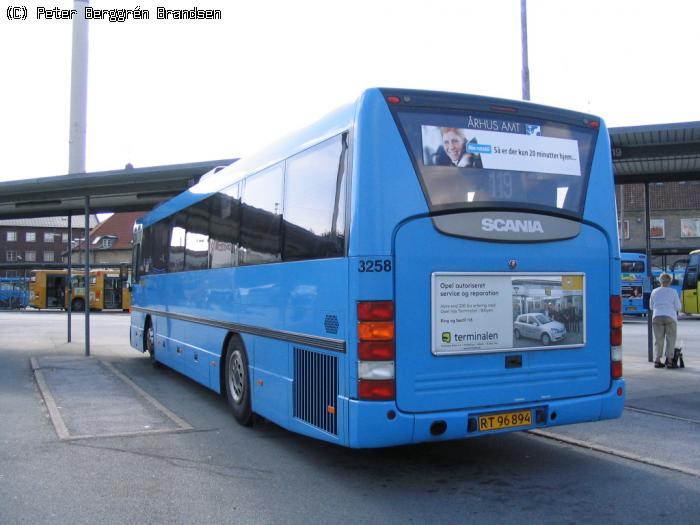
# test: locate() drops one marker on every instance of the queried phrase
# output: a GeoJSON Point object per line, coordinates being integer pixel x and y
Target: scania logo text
{"type": "Point", "coordinates": [511, 225]}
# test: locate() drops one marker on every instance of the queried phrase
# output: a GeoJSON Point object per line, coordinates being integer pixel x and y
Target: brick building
{"type": "Point", "coordinates": [675, 219]}
{"type": "Point", "coordinates": [42, 240]}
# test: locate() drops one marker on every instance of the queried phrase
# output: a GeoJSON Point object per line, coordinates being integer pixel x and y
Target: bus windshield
{"type": "Point", "coordinates": [470, 159]}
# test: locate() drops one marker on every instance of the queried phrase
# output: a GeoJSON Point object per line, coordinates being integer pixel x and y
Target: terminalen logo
{"type": "Point", "coordinates": [511, 225]}
{"type": "Point", "coordinates": [447, 337]}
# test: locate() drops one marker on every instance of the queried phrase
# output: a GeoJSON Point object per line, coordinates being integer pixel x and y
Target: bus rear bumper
{"type": "Point", "coordinates": [381, 424]}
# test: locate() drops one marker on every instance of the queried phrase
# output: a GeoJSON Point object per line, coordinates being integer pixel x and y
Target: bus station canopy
{"type": "Point", "coordinates": [641, 154]}
{"type": "Point", "coordinates": [129, 189]}
{"type": "Point", "coordinates": [656, 153]}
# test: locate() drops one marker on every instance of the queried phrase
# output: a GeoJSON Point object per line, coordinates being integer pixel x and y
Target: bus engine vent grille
{"type": "Point", "coordinates": [316, 389]}
{"type": "Point", "coordinates": [331, 324]}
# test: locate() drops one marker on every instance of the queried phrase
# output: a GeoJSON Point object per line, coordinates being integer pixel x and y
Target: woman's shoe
{"type": "Point", "coordinates": [669, 364]}
{"type": "Point", "coordinates": [658, 364]}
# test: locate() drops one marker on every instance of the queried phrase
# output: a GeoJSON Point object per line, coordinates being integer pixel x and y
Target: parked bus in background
{"type": "Point", "coordinates": [677, 272]}
{"type": "Point", "coordinates": [634, 271]}
{"type": "Point", "coordinates": [108, 290]}
{"type": "Point", "coordinates": [690, 292]}
{"type": "Point", "coordinates": [47, 288]}
{"type": "Point", "coordinates": [359, 281]}
{"type": "Point", "coordinates": [14, 293]}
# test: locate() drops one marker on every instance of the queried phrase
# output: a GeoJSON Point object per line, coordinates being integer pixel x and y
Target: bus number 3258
{"type": "Point", "coordinates": [374, 265]}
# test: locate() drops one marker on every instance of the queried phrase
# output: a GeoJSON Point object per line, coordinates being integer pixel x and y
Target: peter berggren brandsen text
{"type": "Point", "coordinates": [122, 15]}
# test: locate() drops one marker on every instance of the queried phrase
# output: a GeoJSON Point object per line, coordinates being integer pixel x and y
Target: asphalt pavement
{"type": "Point", "coordinates": [659, 425]}
{"type": "Point", "coordinates": [196, 465]}
{"type": "Point", "coordinates": [661, 421]}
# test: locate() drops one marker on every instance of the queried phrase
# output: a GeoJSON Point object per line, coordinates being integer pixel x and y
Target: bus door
{"type": "Point", "coordinates": [55, 291]}
{"type": "Point", "coordinates": [112, 292]}
{"type": "Point", "coordinates": [35, 291]}
{"type": "Point", "coordinates": [689, 298]}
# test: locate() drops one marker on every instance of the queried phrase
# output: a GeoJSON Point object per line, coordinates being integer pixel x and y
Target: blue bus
{"type": "Point", "coordinates": [634, 272]}
{"type": "Point", "coordinates": [677, 272]}
{"type": "Point", "coordinates": [416, 266]}
{"type": "Point", "coordinates": [13, 293]}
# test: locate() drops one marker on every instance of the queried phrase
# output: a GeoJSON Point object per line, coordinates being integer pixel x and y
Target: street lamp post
{"type": "Point", "coordinates": [526, 68]}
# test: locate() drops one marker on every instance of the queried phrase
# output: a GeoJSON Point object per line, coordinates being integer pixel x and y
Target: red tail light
{"type": "Point", "coordinates": [615, 336]}
{"type": "Point", "coordinates": [616, 369]}
{"type": "Point", "coordinates": [376, 390]}
{"type": "Point", "coordinates": [615, 320]}
{"type": "Point", "coordinates": [376, 351]}
{"type": "Point", "coordinates": [375, 311]}
{"type": "Point", "coordinates": [615, 304]}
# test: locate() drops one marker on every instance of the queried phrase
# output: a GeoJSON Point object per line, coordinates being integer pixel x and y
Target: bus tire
{"type": "Point", "coordinates": [149, 342]}
{"type": "Point", "coordinates": [78, 305]}
{"type": "Point", "coordinates": [237, 381]}
{"type": "Point", "coordinates": [546, 339]}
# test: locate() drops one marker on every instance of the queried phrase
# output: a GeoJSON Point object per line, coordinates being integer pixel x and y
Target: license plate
{"type": "Point", "coordinates": [520, 418]}
{"type": "Point", "coordinates": [632, 308]}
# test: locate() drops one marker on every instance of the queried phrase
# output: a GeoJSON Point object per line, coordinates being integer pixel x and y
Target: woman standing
{"type": "Point", "coordinates": [666, 305]}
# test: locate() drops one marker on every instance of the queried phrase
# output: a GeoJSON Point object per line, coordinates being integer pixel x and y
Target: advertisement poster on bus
{"type": "Point", "coordinates": [510, 146]}
{"type": "Point", "coordinates": [479, 313]}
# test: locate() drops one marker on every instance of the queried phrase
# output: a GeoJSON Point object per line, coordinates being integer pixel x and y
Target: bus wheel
{"type": "Point", "coordinates": [516, 333]}
{"type": "Point", "coordinates": [149, 342]}
{"type": "Point", "coordinates": [546, 339]}
{"type": "Point", "coordinates": [78, 305]}
{"type": "Point", "coordinates": [238, 382]}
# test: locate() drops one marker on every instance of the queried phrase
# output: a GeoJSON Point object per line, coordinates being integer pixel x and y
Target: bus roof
{"type": "Point", "coordinates": [333, 123]}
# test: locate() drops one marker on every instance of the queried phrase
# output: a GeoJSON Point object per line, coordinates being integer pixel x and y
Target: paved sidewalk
{"type": "Point", "coordinates": [661, 421]}
{"type": "Point", "coordinates": [88, 398]}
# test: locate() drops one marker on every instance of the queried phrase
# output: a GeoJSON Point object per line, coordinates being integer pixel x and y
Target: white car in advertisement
{"type": "Point", "coordinates": [538, 326]}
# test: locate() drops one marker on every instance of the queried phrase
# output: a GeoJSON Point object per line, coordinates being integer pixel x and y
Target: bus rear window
{"type": "Point", "coordinates": [469, 159]}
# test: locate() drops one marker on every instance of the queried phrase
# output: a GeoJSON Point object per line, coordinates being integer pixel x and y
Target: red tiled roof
{"type": "Point", "coordinates": [119, 225]}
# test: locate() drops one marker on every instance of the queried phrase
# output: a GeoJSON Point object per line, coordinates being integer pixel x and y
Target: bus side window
{"type": "Point", "coordinates": [261, 217]}
{"type": "Point", "coordinates": [160, 233]}
{"type": "Point", "coordinates": [176, 250]}
{"type": "Point", "coordinates": [314, 203]}
{"type": "Point", "coordinates": [197, 236]}
{"type": "Point", "coordinates": [225, 227]}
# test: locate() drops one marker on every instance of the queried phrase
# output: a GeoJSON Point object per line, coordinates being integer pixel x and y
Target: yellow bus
{"type": "Point", "coordinates": [108, 290]}
{"type": "Point", "coordinates": [47, 289]}
{"type": "Point", "coordinates": [690, 291]}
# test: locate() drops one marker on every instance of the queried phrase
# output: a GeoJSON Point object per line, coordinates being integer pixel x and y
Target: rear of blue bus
{"type": "Point", "coordinates": [484, 269]}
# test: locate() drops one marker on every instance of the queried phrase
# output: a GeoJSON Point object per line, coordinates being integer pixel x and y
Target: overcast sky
{"type": "Point", "coordinates": [168, 92]}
